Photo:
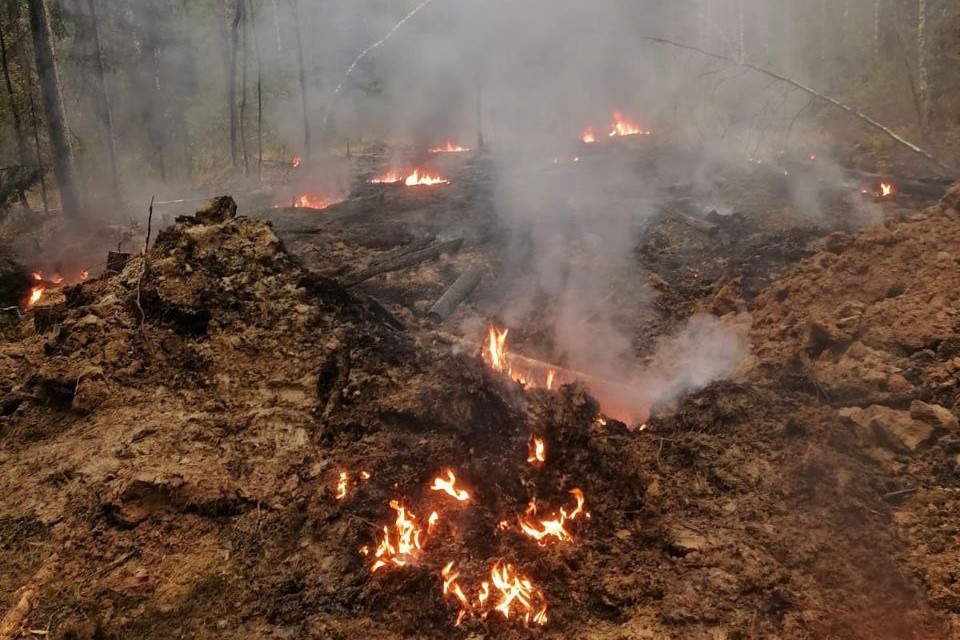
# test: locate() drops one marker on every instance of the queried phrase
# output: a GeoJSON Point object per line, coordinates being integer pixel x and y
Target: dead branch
{"type": "Point", "coordinates": [833, 101]}
{"type": "Point", "coordinates": [402, 262]}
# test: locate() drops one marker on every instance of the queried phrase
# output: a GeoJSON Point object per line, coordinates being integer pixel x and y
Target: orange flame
{"type": "Point", "coordinates": [516, 597]}
{"type": "Point", "coordinates": [400, 544]}
{"type": "Point", "coordinates": [38, 276]}
{"type": "Point", "coordinates": [295, 162]}
{"type": "Point", "coordinates": [387, 178]}
{"type": "Point", "coordinates": [417, 179]}
{"type": "Point", "coordinates": [554, 527]}
{"type": "Point", "coordinates": [84, 274]}
{"type": "Point", "coordinates": [449, 148]}
{"type": "Point", "coordinates": [623, 127]}
{"type": "Point", "coordinates": [448, 486]}
{"type": "Point", "coordinates": [496, 353]}
{"type": "Point", "coordinates": [536, 450]}
{"type": "Point", "coordinates": [588, 136]}
{"type": "Point", "coordinates": [35, 294]}
{"type": "Point", "coordinates": [308, 201]}
{"type": "Point", "coordinates": [432, 521]}
{"type": "Point", "coordinates": [551, 375]}
{"type": "Point", "coordinates": [886, 190]}
{"type": "Point", "coordinates": [343, 485]}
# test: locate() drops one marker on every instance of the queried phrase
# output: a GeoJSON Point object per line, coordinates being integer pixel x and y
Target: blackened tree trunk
{"type": "Point", "coordinates": [15, 113]}
{"type": "Point", "coordinates": [52, 99]}
{"type": "Point", "coordinates": [104, 111]}
{"type": "Point", "coordinates": [923, 72]}
{"type": "Point", "coordinates": [245, 34]}
{"type": "Point", "coordinates": [256, 49]}
{"type": "Point", "coordinates": [303, 78]}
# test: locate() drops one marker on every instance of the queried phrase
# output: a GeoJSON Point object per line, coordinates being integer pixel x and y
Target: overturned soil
{"type": "Point", "coordinates": [172, 443]}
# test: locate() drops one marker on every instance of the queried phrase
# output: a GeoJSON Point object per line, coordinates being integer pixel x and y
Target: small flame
{"type": "Point", "coordinates": [295, 162]}
{"type": "Point", "coordinates": [38, 276]}
{"type": "Point", "coordinates": [588, 136]}
{"type": "Point", "coordinates": [536, 450]}
{"type": "Point", "coordinates": [387, 178]}
{"type": "Point", "coordinates": [886, 190]}
{"type": "Point", "coordinates": [551, 376]}
{"type": "Point", "coordinates": [401, 543]}
{"type": "Point", "coordinates": [308, 201]}
{"type": "Point", "coordinates": [623, 127]}
{"type": "Point", "coordinates": [432, 521]}
{"type": "Point", "coordinates": [449, 148]}
{"type": "Point", "coordinates": [364, 475]}
{"type": "Point", "coordinates": [84, 275]}
{"type": "Point", "coordinates": [417, 179]}
{"type": "Point", "coordinates": [343, 485]}
{"type": "Point", "coordinates": [448, 486]}
{"type": "Point", "coordinates": [496, 353]}
{"type": "Point", "coordinates": [35, 294]}
{"type": "Point", "coordinates": [554, 527]}
{"type": "Point", "coordinates": [514, 595]}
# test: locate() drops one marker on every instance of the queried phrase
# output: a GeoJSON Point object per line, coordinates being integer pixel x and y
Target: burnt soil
{"type": "Point", "coordinates": [171, 444]}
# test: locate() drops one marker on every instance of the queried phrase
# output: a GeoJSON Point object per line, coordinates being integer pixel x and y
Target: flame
{"type": "Point", "coordinates": [588, 136]}
{"type": "Point", "coordinates": [496, 353]}
{"type": "Point", "coordinates": [387, 178]}
{"type": "Point", "coordinates": [343, 485]}
{"type": "Point", "coordinates": [295, 162]}
{"type": "Point", "coordinates": [886, 190]}
{"type": "Point", "coordinates": [432, 521]}
{"type": "Point", "coordinates": [35, 294]}
{"type": "Point", "coordinates": [416, 179]}
{"type": "Point", "coordinates": [551, 375]}
{"type": "Point", "coordinates": [399, 544]}
{"type": "Point", "coordinates": [515, 597]}
{"type": "Point", "coordinates": [84, 274]}
{"type": "Point", "coordinates": [38, 276]}
{"type": "Point", "coordinates": [449, 487]}
{"type": "Point", "coordinates": [449, 148]}
{"type": "Point", "coordinates": [308, 201]}
{"type": "Point", "coordinates": [554, 527]}
{"type": "Point", "coordinates": [364, 475]}
{"type": "Point", "coordinates": [623, 127]}
{"type": "Point", "coordinates": [536, 450]}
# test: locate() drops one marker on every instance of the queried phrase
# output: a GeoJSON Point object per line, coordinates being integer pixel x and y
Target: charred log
{"type": "Point", "coordinates": [403, 262]}
{"type": "Point", "coordinates": [456, 294]}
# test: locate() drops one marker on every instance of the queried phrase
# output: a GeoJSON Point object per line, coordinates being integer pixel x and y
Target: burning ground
{"type": "Point", "coordinates": [219, 441]}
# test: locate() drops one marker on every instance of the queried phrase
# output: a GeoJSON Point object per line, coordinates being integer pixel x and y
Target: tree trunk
{"type": "Point", "coordinates": [923, 75]}
{"type": "Point", "coordinates": [303, 79]}
{"type": "Point", "coordinates": [256, 49]}
{"type": "Point", "coordinates": [741, 32]}
{"type": "Point", "coordinates": [232, 80]}
{"type": "Point", "coordinates": [876, 30]}
{"type": "Point", "coordinates": [52, 98]}
{"type": "Point", "coordinates": [103, 102]}
{"type": "Point", "coordinates": [244, 34]}
{"type": "Point", "coordinates": [15, 113]}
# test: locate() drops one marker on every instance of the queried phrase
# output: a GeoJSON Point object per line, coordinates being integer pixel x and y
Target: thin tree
{"type": "Point", "coordinates": [15, 113]}
{"type": "Point", "coordinates": [105, 113]}
{"type": "Point", "coordinates": [295, 4]}
{"type": "Point", "coordinates": [232, 80]}
{"type": "Point", "coordinates": [256, 49]}
{"type": "Point", "coordinates": [244, 34]}
{"type": "Point", "coordinates": [923, 75]}
{"type": "Point", "coordinates": [52, 99]}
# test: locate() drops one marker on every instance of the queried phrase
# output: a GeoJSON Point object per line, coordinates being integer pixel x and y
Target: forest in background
{"type": "Point", "coordinates": [159, 93]}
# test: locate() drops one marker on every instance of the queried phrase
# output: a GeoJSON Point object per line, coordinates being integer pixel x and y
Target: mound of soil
{"type": "Point", "coordinates": [208, 444]}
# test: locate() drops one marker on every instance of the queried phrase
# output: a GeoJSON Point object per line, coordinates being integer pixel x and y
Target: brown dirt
{"type": "Point", "coordinates": [170, 452]}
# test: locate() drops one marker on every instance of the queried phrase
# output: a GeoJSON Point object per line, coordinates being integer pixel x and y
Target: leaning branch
{"type": "Point", "coordinates": [790, 81]}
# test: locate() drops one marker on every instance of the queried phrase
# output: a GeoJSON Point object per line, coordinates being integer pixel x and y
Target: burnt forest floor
{"type": "Point", "coordinates": [172, 435]}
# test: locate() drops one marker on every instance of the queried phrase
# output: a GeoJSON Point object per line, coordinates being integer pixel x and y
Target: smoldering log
{"type": "Point", "coordinates": [456, 294]}
{"type": "Point", "coordinates": [402, 262]}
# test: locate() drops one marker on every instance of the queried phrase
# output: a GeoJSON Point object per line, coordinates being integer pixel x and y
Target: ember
{"type": "Point", "coordinates": [886, 190]}
{"type": "Point", "coordinates": [449, 148]}
{"type": "Point", "coordinates": [588, 136]}
{"type": "Point", "coordinates": [343, 485]}
{"type": "Point", "coordinates": [295, 162]}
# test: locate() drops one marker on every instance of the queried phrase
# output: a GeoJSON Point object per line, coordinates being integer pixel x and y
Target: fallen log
{"type": "Point", "coordinates": [456, 294]}
{"type": "Point", "coordinates": [402, 262]}
{"type": "Point", "coordinates": [701, 225]}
